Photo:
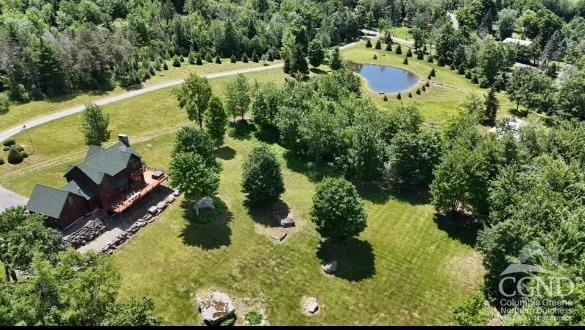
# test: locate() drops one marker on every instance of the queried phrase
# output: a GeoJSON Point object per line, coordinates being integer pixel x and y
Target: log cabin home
{"type": "Point", "coordinates": [111, 179]}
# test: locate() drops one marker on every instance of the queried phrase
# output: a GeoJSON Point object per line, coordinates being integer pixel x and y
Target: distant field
{"type": "Point", "coordinates": [402, 32]}
{"type": "Point", "coordinates": [448, 89]}
{"type": "Point", "coordinates": [406, 268]}
{"type": "Point", "coordinates": [20, 113]}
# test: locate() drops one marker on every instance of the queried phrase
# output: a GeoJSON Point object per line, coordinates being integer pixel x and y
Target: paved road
{"type": "Point", "coordinates": [10, 199]}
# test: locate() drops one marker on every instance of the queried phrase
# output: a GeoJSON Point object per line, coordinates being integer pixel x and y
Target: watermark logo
{"type": "Point", "coordinates": [532, 281]}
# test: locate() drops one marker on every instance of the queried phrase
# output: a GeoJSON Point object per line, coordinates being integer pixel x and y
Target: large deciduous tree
{"type": "Point", "coordinates": [194, 176]}
{"type": "Point", "coordinates": [194, 96]}
{"type": "Point", "coordinates": [216, 120]}
{"type": "Point", "coordinates": [338, 210]}
{"type": "Point", "coordinates": [316, 53]}
{"type": "Point", "coordinates": [192, 140]}
{"type": "Point", "coordinates": [238, 96]}
{"type": "Point", "coordinates": [262, 177]}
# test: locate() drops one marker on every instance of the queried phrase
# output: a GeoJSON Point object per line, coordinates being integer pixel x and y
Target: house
{"type": "Point", "coordinates": [112, 179]}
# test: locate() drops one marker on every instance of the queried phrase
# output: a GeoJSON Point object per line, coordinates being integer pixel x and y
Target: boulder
{"type": "Point", "coordinates": [330, 267]}
{"type": "Point", "coordinates": [311, 306]}
{"type": "Point", "coordinates": [170, 199]}
{"type": "Point", "coordinates": [289, 221]}
{"type": "Point", "coordinates": [216, 308]}
{"type": "Point", "coordinates": [161, 206]}
{"type": "Point", "coordinates": [153, 210]}
{"type": "Point", "coordinates": [205, 203]}
{"type": "Point", "coordinates": [176, 193]}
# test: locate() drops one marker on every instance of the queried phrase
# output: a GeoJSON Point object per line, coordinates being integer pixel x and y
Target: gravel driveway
{"type": "Point", "coordinates": [10, 199]}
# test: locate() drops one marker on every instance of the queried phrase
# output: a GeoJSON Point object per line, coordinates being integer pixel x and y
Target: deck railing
{"type": "Point", "coordinates": [135, 196]}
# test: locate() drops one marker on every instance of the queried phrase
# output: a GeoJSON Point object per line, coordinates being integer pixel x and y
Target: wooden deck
{"type": "Point", "coordinates": [134, 196]}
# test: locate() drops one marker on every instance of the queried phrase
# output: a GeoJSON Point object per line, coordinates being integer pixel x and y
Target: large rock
{"type": "Point", "coordinates": [289, 221]}
{"type": "Point", "coordinates": [330, 267]}
{"type": "Point", "coordinates": [153, 210]}
{"type": "Point", "coordinates": [216, 308]}
{"type": "Point", "coordinates": [311, 306]}
{"type": "Point", "coordinates": [176, 193]}
{"type": "Point", "coordinates": [161, 206]}
{"type": "Point", "coordinates": [170, 198]}
{"type": "Point", "coordinates": [205, 203]}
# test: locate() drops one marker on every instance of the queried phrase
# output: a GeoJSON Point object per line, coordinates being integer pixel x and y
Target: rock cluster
{"type": "Point", "coordinates": [205, 203]}
{"type": "Point", "coordinates": [147, 218]}
{"type": "Point", "coordinates": [216, 308]}
{"type": "Point", "coordinates": [90, 231]}
{"type": "Point", "coordinates": [283, 216]}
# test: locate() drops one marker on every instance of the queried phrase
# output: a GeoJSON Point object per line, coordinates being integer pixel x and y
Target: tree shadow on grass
{"type": "Point", "coordinates": [267, 134]}
{"type": "Point", "coordinates": [318, 71]}
{"type": "Point", "coordinates": [459, 226]}
{"type": "Point", "coordinates": [265, 214]}
{"type": "Point", "coordinates": [379, 194]}
{"type": "Point", "coordinates": [314, 172]}
{"type": "Point", "coordinates": [207, 235]}
{"type": "Point", "coordinates": [372, 192]}
{"type": "Point", "coordinates": [225, 153]}
{"type": "Point", "coordinates": [355, 259]}
{"type": "Point", "coordinates": [241, 130]}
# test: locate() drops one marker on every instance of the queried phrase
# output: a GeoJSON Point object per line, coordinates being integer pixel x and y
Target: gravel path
{"type": "Point", "coordinates": [9, 199]}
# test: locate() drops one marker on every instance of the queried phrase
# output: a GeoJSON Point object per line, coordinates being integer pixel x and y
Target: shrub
{"type": "Point", "coordinates": [385, 97]}
{"type": "Point", "coordinates": [270, 56]}
{"type": "Point", "coordinates": [24, 154]}
{"type": "Point", "coordinates": [368, 44]}
{"type": "Point", "coordinates": [208, 58]}
{"type": "Point", "coordinates": [409, 94]}
{"type": "Point", "coordinates": [405, 61]}
{"type": "Point", "coordinates": [418, 91]}
{"type": "Point", "coordinates": [233, 59]}
{"type": "Point", "coordinates": [389, 47]}
{"type": "Point", "coordinates": [433, 73]}
{"type": "Point", "coordinates": [245, 58]}
{"type": "Point", "coordinates": [430, 59]}
{"type": "Point", "coordinates": [424, 88]}
{"type": "Point", "coordinates": [176, 62]}
{"type": "Point", "coordinates": [460, 69]}
{"type": "Point", "coordinates": [398, 49]}
{"type": "Point", "coordinates": [253, 318]}
{"type": "Point", "coordinates": [420, 55]}
{"type": "Point", "coordinates": [474, 79]}
{"type": "Point", "coordinates": [9, 142]}
{"type": "Point", "coordinates": [217, 60]}
{"type": "Point", "coordinates": [255, 58]}
{"type": "Point", "coordinates": [1, 161]}
{"type": "Point", "coordinates": [151, 71]}
{"type": "Point", "coordinates": [192, 58]}
{"type": "Point", "coordinates": [181, 58]}
{"type": "Point", "coordinates": [378, 44]}
{"type": "Point", "coordinates": [398, 96]}
{"type": "Point", "coordinates": [452, 67]}
{"type": "Point", "coordinates": [427, 84]}
{"type": "Point", "coordinates": [14, 156]}
{"type": "Point", "coordinates": [375, 57]}
{"type": "Point", "coordinates": [409, 53]}
{"type": "Point", "coordinates": [165, 66]}
{"type": "Point", "coordinates": [4, 103]}
{"type": "Point", "coordinates": [199, 61]}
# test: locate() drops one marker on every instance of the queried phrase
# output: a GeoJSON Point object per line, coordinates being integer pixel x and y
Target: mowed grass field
{"type": "Point", "coordinates": [447, 90]}
{"type": "Point", "coordinates": [20, 113]}
{"type": "Point", "coordinates": [404, 268]}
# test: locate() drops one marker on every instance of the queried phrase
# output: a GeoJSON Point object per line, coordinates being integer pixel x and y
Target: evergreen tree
{"type": "Point", "coordinates": [378, 44]}
{"type": "Point", "coordinates": [335, 61]}
{"type": "Point", "coordinates": [491, 108]}
{"type": "Point", "coordinates": [316, 53]}
{"type": "Point", "coordinates": [233, 59]}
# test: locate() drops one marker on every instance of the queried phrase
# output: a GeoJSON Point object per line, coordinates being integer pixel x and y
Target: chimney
{"type": "Point", "coordinates": [124, 139]}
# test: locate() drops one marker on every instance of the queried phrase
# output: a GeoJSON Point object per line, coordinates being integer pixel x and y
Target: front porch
{"type": "Point", "coordinates": [138, 189]}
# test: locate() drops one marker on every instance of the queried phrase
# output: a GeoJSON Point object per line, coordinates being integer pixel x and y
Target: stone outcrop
{"type": "Point", "coordinates": [216, 308]}
{"type": "Point", "coordinates": [330, 267]}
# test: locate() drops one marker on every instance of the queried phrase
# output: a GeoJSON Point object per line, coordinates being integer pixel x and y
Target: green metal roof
{"type": "Point", "coordinates": [101, 162]}
{"type": "Point", "coordinates": [47, 201]}
{"type": "Point", "coordinates": [79, 189]}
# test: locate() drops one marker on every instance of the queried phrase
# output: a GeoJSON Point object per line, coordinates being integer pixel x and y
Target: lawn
{"type": "Point", "coordinates": [20, 113]}
{"type": "Point", "coordinates": [448, 89]}
{"type": "Point", "coordinates": [402, 270]}
{"type": "Point", "coordinates": [402, 32]}
{"type": "Point", "coordinates": [405, 268]}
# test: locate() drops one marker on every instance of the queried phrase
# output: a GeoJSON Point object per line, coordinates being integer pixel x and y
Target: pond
{"type": "Point", "coordinates": [387, 79]}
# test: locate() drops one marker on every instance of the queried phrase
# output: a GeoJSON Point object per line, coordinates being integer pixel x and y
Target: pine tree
{"type": "Point", "coordinates": [368, 44]}
{"type": "Point", "coordinates": [255, 58]}
{"type": "Point", "coordinates": [398, 50]}
{"type": "Point", "coordinates": [233, 59]}
{"type": "Point", "coordinates": [245, 58]}
{"type": "Point", "coordinates": [217, 60]}
{"type": "Point", "coordinates": [335, 62]}
{"type": "Point", "coordinates": [378, 44]}
{"type": "Point", "coordinates": [199, 61]}
{"type": "Point", "coordinates": [491, 108]}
